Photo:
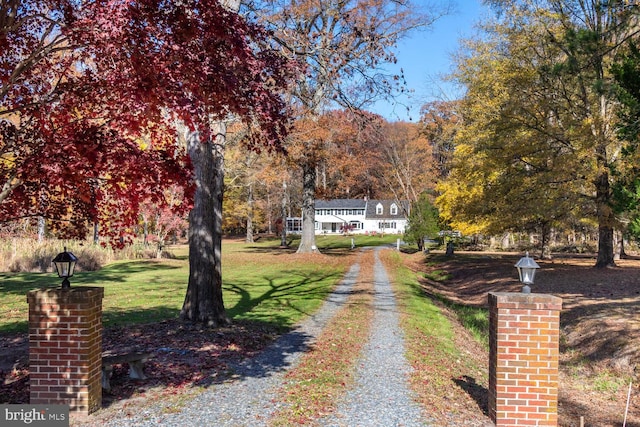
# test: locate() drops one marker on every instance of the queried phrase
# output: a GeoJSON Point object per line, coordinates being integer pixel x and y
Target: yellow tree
{"type": "Point", "coordinates": [254, 189]}
{"type": "Point", "coordinates": [538, 141]}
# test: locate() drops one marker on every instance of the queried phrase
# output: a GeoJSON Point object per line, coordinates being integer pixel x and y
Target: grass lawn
{"type": "Point", "coordinates": [261, 282]}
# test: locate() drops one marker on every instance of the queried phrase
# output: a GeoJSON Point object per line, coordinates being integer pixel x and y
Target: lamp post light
{"type": "Point", "coordinates": [65, 263]}
{"type": "Point", "coordinates": [526, 270]}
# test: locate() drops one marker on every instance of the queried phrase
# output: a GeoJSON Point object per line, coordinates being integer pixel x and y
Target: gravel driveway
{"type": "Point", "coordinates": [380, 396]}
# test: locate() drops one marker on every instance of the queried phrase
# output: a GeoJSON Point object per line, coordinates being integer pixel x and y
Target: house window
{"type": "Point", "coordinates": [294, 225]}
{"type": "Point", "coordinates": [394, 209]}
{"type": "Point", "coordinates": [386, 225]}
{"type": "Point", "coordinates": [379, 209]}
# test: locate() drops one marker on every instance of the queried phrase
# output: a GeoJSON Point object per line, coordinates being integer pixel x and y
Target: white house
{"type": "Point", "coordinates": [359, 216]}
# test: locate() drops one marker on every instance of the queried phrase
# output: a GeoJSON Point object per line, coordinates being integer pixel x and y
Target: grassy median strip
{"type": "Point", "coordinates": [474, 319]}
{"type": "Point", "coordinates": [438, 364]}
{"type": "Point", "coordinates": [312, 389]}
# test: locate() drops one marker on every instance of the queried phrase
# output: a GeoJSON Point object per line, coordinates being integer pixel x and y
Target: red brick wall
{"type": "Point", "coordinates": [523, 359]}
{"type": "Point", "coordinates": [65, 347]}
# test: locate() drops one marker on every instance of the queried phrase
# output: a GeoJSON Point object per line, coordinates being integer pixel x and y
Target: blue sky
{"type": "Point", "coordinates": [425, 56]}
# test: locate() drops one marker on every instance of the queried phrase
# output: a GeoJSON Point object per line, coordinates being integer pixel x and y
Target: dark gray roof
{"type": "Point", "coordinates": [370, 205]}
{"type": "Point", "coordinates": [340, 204]}
{"type": "Point", "coordinates": [403, 209]}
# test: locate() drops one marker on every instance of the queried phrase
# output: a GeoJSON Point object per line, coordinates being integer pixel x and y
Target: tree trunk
{"type": "Point", "coordinates": [249, 238]}
{"type": "Point", "coordinates": [553, 238]}
{"type": "Point", "coordinates": [605, 222]}
{"type": "Point", "coordinates": [41, 229]}
{"type": "Point", "coordinates": [545, 246]}
{"type": "Point", "coordinates": [159, 249]}
{"type": "Point", "coordinates": [161, 236]}
{"type": "Point", "coordinates": [145, 231]}
{"type": "Point", "coordinates": [203, 301]}
{"type": "Point", "coordinates": [283, 234]}
{"type": "Point", "coordinates": [219, 131]}
{"type": "Point", "coordinates": [605, 247]}
{"type": "Point", "coordinates": [506, 240]}
{"type": "Point", "coordinates": [450, 249]}
{"type": "Point", "coordinates": [269, 215]}
{"type": "Point", "coordinates": [308, 237]}
{"type": "Point", "coordinates": [617, 246]}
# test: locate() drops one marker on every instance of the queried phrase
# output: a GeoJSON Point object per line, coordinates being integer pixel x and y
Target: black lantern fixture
{"type": "Point", "coordinates": [526, 270]}
{"type": "Point", "coordinates": [65, 263]}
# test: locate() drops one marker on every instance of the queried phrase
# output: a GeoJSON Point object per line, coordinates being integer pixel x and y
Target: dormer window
{"type": "Point", "coordinates": [394, 209]}
{"type": "Point", "coordinates": [379, 209]}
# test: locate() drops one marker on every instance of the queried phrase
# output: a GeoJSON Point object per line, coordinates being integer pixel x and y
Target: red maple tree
{"type": "Point", "coordinates": [88, 122]}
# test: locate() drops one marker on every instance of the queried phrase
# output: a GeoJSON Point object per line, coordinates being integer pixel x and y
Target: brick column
{"type": "Point", "coordinates": [65, 347]}
{"type": "Point", "coordinates": [523, 359]}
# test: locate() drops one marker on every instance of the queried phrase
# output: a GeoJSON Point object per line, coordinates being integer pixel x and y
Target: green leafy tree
{"type": "Point", "coordinates": [626, 71]}
{"type": "Point", "coordinates": [423, 221]}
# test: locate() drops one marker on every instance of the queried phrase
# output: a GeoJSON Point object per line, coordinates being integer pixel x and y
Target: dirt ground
{"type": "Point", "coordinates": [600, 325]}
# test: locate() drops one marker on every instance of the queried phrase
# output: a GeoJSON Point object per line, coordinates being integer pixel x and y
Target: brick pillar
{"type": "Point", "coordinates": [65, 347]}
{"type": "Point", "coordinates": [523, 359]}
